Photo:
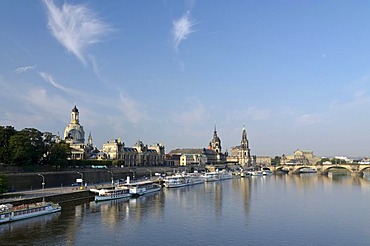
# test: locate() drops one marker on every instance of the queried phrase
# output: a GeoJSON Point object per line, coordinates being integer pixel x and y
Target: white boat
{"type": "Point", "coordinates": [255, 173]}
{"type": "Point", "coordinates": [218, 175]}
{"type": "Point", "coordinates": [266, 171]}
{"type": "Point", "coordinates": [9, 213]}
{"type": "Point", "coordinates": [212, 176]}
{"type": "Point", "coordinates": [226, 175]}
{"type": "Point", "coordinates": [181, 180]}
{"type": "Point", "coordinates": [111, 194]}
{"type": "Point", "coordinates": [307, 170]}
{"type": "Point", "coordinates": [175, 181]}
{"type": "Point", "coordinates": [142, 187]}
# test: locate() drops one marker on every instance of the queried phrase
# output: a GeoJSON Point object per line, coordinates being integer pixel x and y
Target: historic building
{"type": "Point", "coordinates": [74, 135]}
{"type": "Point", "coordinates": [300, 157]}
{"type": "Point", "coordinates": [211, 155]}
{"type": "Point", "coordinates": [138, 155]}
{"type": "Point", "coordinates": [190, 159]}
{"type": "Point", "coordinates": [241, 154]}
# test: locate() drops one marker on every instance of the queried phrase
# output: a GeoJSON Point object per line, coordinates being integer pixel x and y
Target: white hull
{"type": "Point", "coordinates": [142, 188]}
{"type": "Point", "coordinates": [217, 176]}
{"type": "Point", "coordinates": [28, 211]}
{"type": "Point", "coordinates": [181, 181]}
{"type": "Point", "coordinates": [105, 195]}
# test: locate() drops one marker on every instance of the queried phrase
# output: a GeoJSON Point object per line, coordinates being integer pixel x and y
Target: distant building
{"type": "Point", "coordinates": [189, 159]}
{"type": "Point", "coordinates": [138, 155]}
{"type": "Point", "coordinates": [263, 160]}
{"type": "Point", "coordinates": [300, 157]}
{"type": "Point", "coordinates": [211, 155]}
{"type": "Point", "coordinates": [241, 154]}
{"type": "Point", "coordinates": [74, 135]}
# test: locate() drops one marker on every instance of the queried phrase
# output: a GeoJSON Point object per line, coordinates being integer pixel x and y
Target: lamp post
{"type": "Point", "coordinates": [111, 177]}
{"type": "Point", "coordinates": [43, 180]}
{"type": "Point", "coordinates": [133, 174]}
{"type": "Point", "coordinates": [82, 178]}
{"type": "Point", "coordinates": [150, 173]}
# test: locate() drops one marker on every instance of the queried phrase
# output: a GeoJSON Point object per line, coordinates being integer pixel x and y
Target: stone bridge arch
{"type": "Point", "coordinates": [325, 169]}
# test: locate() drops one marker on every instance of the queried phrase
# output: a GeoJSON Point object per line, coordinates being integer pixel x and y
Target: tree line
{"type": "Point", "coordinates": [30, 147]}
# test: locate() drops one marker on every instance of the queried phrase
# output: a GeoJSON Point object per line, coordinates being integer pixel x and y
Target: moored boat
{"type": "Point", "coordinates": [175, 181]}
{"type": "Point", "coordinates": [9, 213]}
{"type": "Point", "coordinates": [307, 170]}
{"type": "Point", "coordinates": [218, 175]}
{"type": "Point", "coordinates": [211, 176]}
{"type": "Point", "coordinates": [255, 173]}
{"type": "Point", "coordinates": [142, 187]}
{"type": "Point", "coordinates": [181, 180]}
{"type": "Point", "coordinates": [111, 194]}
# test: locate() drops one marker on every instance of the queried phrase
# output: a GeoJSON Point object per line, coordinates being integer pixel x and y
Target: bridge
{"type": "Point", "coordinates": [353, 168]}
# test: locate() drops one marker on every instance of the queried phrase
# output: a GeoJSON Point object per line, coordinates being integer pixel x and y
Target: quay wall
{"type": "Point", "coordinates": [59, 198]}
{"type": "Point", "coordinates": [27, 181]}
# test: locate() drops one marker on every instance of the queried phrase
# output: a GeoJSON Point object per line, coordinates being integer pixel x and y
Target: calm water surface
{"type": "Point", "coordinates": [276, 210]}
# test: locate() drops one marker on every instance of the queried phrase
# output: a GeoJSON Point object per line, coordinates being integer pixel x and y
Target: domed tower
{"type": "Point", "coordinates": [74, 131]}
{"type": "Point", "coordinates": [216, 142]}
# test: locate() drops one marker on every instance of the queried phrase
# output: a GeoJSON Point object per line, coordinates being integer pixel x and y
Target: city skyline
{"type": "Point", "coordinates": [295, 74]}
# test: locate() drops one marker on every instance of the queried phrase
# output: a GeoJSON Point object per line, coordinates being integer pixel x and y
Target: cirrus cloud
{"type": "Point", "coordinates": [181, 29]}
{"type": "Point", "coordinates": [75, 27]}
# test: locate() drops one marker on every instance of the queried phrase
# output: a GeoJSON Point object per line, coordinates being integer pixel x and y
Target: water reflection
{"type": "Point", "coordinates": [235, 206]}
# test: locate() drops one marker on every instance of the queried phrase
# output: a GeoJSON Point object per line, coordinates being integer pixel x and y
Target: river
{"type": "Point", "coordinates": [306, 209]}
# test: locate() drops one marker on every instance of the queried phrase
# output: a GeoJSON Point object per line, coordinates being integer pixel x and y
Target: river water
{"type": "Point", "coordinates": [306, 209]}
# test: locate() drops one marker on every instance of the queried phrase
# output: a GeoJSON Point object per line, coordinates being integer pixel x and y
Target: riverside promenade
{"type": "Point", "coordinates": [50, 190]}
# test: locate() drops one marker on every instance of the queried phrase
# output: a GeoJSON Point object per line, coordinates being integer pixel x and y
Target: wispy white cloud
{"type": "Point", "coordinates": [182, 28]}
{"type": "Point", "coordinates": [195, 114]}
{"type": "Point", "coordinates": [48, 78]}
{"type": "Point", "coordinates": [309, 119]}
{"type": "Point", "coordinates": [250, 113]}
{"type": "Point", "coordinates": [24, 69]}
{"type": "Point", "coordinates": [131, 109]}
{"type": "Point", "coordinates": [75, 26]}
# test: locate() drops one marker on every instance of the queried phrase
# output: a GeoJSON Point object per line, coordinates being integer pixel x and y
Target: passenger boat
{"type": "Point", "coordinates": [266, 171]}
{"type": "Point", "coordinates": [111, 194]}
{"type": "Point", "coordinates": [181, 180]}
{"type": "Point", "coordinates": [9, 213]}
{"type": "Point", "coordinates": [212, 176]}
{"type": "Point", "coordinates": [255, 173]}
{"type": "Point", "coordinates": [176, 181]}
{"type": "Point", "coordinates": [142, 187]}
{"type": "Point", "coordinates": [218, 175]}
{"type": "Point", "coordinates": [307, 170]}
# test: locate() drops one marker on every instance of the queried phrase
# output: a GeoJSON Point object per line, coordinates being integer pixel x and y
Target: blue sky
{"type": "Point", "coordinates": [295, 73]}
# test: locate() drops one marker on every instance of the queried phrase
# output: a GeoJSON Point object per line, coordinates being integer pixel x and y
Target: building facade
{"type": "Point", "coordinates": [74, 135]}
{"type": "Point", "coordinates": [300, 157]}
{"type": "Point", "coordinates": [138, 155]}
{"type": "Point", "coordinates": [242, 153]}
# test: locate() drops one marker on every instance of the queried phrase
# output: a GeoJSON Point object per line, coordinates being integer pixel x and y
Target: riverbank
{"type": "Point", "coordinates": [29, 181]}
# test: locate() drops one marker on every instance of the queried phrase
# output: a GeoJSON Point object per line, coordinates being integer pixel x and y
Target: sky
{"type": "Point", "coordinates": [295, 74]}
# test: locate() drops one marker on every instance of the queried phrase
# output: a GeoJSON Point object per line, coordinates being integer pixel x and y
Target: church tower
{"type": "Point", "coordinates": [245, 152]}
{"type": "Point", "coordinates": [215, 144]}
{"type": "Point", "coordinates": [74, 131]}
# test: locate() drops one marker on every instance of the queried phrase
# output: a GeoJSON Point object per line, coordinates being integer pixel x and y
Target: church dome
{"type": "Point", "coordinates": [75, 110]}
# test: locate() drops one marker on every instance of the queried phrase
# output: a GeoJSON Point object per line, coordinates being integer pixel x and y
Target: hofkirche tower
{"type": "Point", "coordinates": [242, 152]}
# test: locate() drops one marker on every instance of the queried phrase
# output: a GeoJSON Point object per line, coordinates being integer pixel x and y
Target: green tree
{"type": "Point", "coordinates": [58, 153]}
{"type": "Point", "coordinates": [5, 133]}
{"type": "Point", "coordinates": [27, 147]}
{"type": "Point", "coordinates": [323, 160]}
{"type": "Point", "coordinates": [275, 161]}
{"type": "Point", "coordinates": [3, 186]}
